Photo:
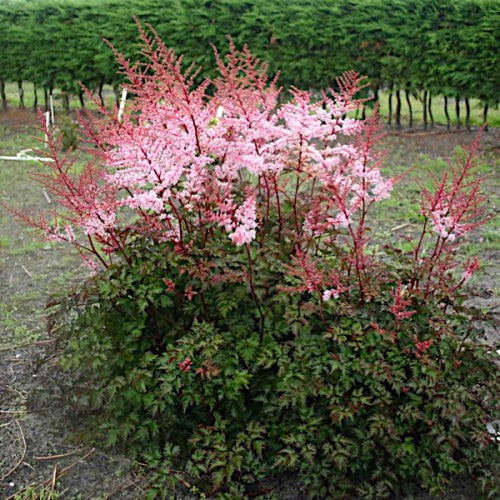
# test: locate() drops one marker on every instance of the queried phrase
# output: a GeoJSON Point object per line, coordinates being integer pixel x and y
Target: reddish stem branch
{"type": "Point", "coordinates": [252, 289]}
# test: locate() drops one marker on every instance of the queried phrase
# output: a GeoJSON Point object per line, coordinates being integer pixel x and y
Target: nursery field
{"type": "Point", "coordinates": [43, 452]}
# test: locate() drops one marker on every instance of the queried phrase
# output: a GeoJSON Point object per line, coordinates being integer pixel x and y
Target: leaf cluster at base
{"type": "Point", "coordinates": [193, 386]}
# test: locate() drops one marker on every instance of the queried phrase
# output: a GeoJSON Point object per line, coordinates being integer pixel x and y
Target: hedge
{"type": "Point", "coordinates": [429, 47]}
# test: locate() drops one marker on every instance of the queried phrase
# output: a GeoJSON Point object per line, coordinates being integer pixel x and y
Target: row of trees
{"type": "Point", "coordinates": [424, 47]}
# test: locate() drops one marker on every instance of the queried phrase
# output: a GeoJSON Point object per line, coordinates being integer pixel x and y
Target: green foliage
{"type": "Point", "coordinates": [68, 130]}
{"type": "Point", "coordinates": [37, 493]}
{"type": "Point", "coordinates": [353, 410]}
{"type": "Point", "coordinates": [449, 47]}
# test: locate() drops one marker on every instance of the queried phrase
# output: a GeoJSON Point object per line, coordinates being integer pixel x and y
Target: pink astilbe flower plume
{"type": "Point", "coordinates": [228, 163]}
{"type": "Point", "coordinates": [244, 232]}
{"type": "Point", "coordinates": [451, 210]}
{"type": "Point", "coordinates": [400, 306]}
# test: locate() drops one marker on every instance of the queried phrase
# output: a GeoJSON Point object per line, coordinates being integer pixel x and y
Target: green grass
{"type": "Point", "coordinates": [37, 493]}
{"type": "Point", "coordinates": [12, 328]}
{"type": "Point", "coordinates": [30, 247]}
{"type": "Point", "coordinates": [476, 111]}
{"type": "Point", "coordinates": [32, 268]}
{"type": "Point", "coordinates": [12, 93]}
{"type": "Point", "coordinates": [12, 141]}
{"type": "Point", "coordinates": [4, 241]}
{"type": "Point", "coordinates": [15, 183]}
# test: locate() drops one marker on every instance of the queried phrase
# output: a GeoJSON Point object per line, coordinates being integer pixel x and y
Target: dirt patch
{"type": "Point", "coordinates": [441, 142]}
{"type": "Point", "coordinates": [39, 443]}
{"type": "Point", "coordinates": [15, 118]}
{"type": "Point", "coordinates": [42, 446]}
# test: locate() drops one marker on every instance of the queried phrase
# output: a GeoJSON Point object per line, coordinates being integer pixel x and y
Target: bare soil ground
{"type": "Point", "coordinates": [40, 445]}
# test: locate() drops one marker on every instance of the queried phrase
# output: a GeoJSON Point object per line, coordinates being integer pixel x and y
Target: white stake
{"type": "Point", "coordinates": [122, 104]}
{"type": "Point", "coordinates": [25, 158]}
{"type": "Point", "coordinates": [26, 271]}
{"type": "Point", "coordinates": [52, 117]}
{"type": "Point", "coordinates": [47, 125]}
{"type": "Point", "coordinates": [47, 197]}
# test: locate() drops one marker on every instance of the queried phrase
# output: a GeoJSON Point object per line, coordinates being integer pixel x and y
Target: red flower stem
{"type": "Point", "coordinates": [95, 251]}
{"type": "Point", "coordinates": [278, 206]}
{"type": "Point", "coordinates": [268, 197]}
{"type": "Point", "coordinates": [252, 289]}
{"type": "Point", "coordinates": [179, 221]}
{"type": "Point", "coordinates": [417, 251]}
{"type": "Point", "coordinates": [357, 264]}
{"type": "Point", "coordinates": [297, 186]}
{"type": "Point", "coordinates": [321, 309]}
{"type": "Point", "coordinates": [438, 249]}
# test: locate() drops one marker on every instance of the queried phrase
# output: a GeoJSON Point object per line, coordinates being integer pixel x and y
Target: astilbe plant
{"type": "Point", "coordinates": [240, 324]}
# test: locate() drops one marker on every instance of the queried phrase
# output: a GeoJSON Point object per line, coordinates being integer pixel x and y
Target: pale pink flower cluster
{"type": "Point", "coordinates": [228, 161]}
{"type": "Point", "coordinates": [179, 153]}
{"type": "Point", "coordinates": [99, 223]}
{"type": "Point", "coordinates": [328, 294]}
{"type": "Point", "coordinates": [246, 224]}
{"type": "Point", "coordinates": [56, 233]}
{"type": "Point", "coordinates": [337, 289]}
{"type": "Point", "coordinates": [182, 162]}
{"type": "Point", "coordinates": [453, 208]}
{"type": "Point", "coordinates": [443, 224]}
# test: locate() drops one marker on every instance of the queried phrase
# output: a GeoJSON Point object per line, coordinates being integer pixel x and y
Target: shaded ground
{"type": "Point", "coordinates": [41, 447]}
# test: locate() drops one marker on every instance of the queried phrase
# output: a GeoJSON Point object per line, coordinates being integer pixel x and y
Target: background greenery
{"type": "Point", "coordinates": [416, 49]}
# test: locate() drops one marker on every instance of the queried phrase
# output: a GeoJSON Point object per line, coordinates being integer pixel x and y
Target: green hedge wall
{"type": "Point", "coordinates": [445, 47]}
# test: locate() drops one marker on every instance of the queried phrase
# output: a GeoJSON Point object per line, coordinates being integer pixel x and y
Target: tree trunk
{"type": "Point", "coordinates": [431, 117]}
{"type": "Point", "coordinates": [485, 117]}
{"type": "Point", "coordinates": [81, 98]}
{"type": "Point", "coordinates": [363, 113]}
{"type": "Point", "coordinates": [101, 85]}
{"type": "Point", "coordinates": [398, 109]}
{"type": "Point", "coordinates": [3, 97]}
{"type": "Point", "coordinates": [46, 99]}
{"type": "Point", "coordinates": [448, 121]}
{"type": "Point", "coordinates": [410, 109]}
{"type": "Point", "coordinates": [65, 101]}
{"type": "Point", "coordinates": [375, 95]}
{"type": "Point", "coordinates": [457, 111]}
{"type": "Point", "coordinates": [116, 90]}
{"type": "Point", "coordinates": [424, 102]}
{"type": "Point", "coordinates": [21, 93]}
{"type": "Point", "coordinates": [35, 97]}
{"type": "Point", "coordinates": [467, 113]}
{"type": "Point", "coordinates": [52, 106]}
{"type": "Point", "coordinates": [389, 102]}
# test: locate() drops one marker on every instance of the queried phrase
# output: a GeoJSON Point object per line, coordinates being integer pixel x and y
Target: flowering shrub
{"type": "Point", "coordinates": [240, 323]}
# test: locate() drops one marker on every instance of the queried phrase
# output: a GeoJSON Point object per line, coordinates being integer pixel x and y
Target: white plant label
{"type": "Point", "coordinates": [52, 116]}
{"type": "Point", "coordinates": [122, 104]}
